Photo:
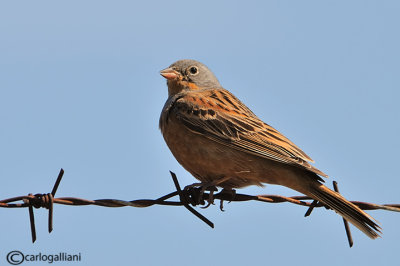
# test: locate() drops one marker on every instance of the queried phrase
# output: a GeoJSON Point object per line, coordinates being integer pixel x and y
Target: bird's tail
{"type": "Point", "coordinates": [346, 209]}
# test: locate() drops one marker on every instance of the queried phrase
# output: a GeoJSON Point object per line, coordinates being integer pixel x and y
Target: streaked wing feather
{"type": "Point", "coordinates": [220, 116]}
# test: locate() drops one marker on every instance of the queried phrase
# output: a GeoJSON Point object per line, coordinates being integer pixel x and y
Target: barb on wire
{"type": "Point", "coordinates": [193, 196]}
{"type": "Point", "coordinates": [346, 223]}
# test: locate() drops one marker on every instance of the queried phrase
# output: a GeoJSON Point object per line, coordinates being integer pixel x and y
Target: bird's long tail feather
{"type": "Point", "coordinates": [346, 209]}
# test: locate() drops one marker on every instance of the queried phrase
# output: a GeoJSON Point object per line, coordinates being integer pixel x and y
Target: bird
{"type": "Point", "coordinates": [221, 142]}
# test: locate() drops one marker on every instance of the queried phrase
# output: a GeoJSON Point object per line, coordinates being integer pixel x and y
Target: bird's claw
{"type": "Point", "coordinates": [196, 194]}
{"type": "Point", "coordinates": [230, 192]}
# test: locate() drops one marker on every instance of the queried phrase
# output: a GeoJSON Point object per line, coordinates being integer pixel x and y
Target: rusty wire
{"type": "Point", "coordinates": [193, 196]}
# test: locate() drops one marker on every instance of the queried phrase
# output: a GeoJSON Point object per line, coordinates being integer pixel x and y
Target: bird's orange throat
{"type": "Point", "coordinates": [176, 86]}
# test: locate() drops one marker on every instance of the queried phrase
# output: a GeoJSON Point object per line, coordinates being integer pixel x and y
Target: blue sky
{"type": "Point", "coordinates": [80, 89]}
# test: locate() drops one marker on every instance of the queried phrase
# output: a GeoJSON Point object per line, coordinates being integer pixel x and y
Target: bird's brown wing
{"type": "Point", "coordinates": [221, 117]}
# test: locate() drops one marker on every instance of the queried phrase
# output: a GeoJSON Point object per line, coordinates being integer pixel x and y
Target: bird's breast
{"type": "Point", "coordinates": [208, 160]}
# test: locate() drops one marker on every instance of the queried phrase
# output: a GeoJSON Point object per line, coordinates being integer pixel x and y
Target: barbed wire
{"type": "Point", "coordinates": [191, 195]}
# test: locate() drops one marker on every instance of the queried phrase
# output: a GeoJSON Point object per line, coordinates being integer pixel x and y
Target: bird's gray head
{"type": "Point", "coordinates": [189, 74]}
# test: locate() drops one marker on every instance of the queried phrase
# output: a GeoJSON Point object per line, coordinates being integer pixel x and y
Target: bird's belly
{"type": "Point", "coordinates": [209, 161]}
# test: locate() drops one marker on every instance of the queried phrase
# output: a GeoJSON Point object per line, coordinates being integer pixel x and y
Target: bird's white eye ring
{"type": "Point", "coordinates": [193, 70]}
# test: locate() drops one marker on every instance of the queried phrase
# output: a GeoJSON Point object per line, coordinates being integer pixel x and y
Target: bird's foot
{"type": "Point", "coordinates": [229, 192]}
{"type": "Point", "coordinates": [196, 191]}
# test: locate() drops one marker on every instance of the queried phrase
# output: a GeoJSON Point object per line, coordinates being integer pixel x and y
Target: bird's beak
{"type": "Point", "coordinates": [169, 73]}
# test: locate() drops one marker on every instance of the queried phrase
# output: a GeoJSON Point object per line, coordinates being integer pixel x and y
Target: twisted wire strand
{"type": "Point", "coordinates": [186, 199]}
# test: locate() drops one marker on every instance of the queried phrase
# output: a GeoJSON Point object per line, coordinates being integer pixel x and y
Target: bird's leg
{"type": "Point", "coordinates": [210, 186]}
{"type": "Point", "coordinates": [210, 199]}
{"type": "Point", "coordinates": [196, 191]}
{"type": "Point", "coordinates": [230, 192]}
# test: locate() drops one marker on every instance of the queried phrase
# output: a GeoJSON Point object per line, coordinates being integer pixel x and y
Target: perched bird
{"type": "Point", "coordinates": [221, 142]}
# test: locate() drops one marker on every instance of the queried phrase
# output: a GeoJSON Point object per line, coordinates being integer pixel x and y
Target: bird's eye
{"type": "Point", "coordinates": [193, 70]}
